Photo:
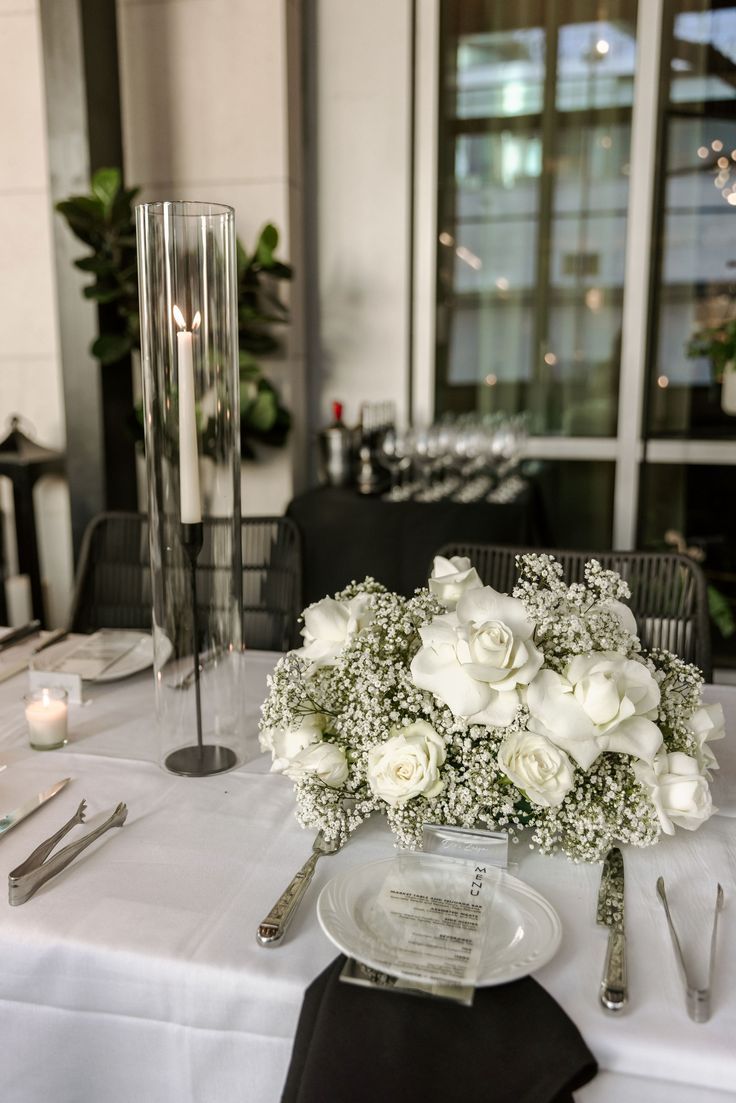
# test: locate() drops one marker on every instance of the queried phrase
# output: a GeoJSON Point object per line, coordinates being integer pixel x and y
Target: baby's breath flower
{"type": "Point", "coordinates": [368, 693]}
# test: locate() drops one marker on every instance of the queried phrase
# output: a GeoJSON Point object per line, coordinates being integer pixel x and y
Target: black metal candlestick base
{"type": "Point", "coordinates": [198, 760]}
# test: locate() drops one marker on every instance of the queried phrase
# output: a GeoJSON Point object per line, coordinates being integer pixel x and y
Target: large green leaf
{"type": "Point", "coordinates": [261, 414]}
{"type": "Point", "coordinates": [102, 294]}
{"type": "Point", "coordinates": [101, 266]}
{"type": "Point", "coordinates": [111, 347]}
{"type": "Point", "coordinates": [106, 184]}
{"type": "Point", "coordinates": [721, 612]}
{"type": "Point", "coordinates": [266, 245]}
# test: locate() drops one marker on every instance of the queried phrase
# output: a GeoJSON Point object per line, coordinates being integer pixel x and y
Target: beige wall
{"type": "Point", "coordinates": [30, 379]}
{"type": "Point", "coordinates": [205, 102]}
{"type": "Point", "coordinates": [363, 111]}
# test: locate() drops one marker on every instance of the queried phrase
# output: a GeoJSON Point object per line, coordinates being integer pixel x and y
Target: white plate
{"type": "Point", "coordinates": [133, 662]}
{"type": "Point", "coordinates": [524, 929]}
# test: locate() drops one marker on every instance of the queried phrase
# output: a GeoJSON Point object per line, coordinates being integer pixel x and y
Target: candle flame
{"type": "Point", "coordinates": [181, 320]}
{"type": "Point", "coordinates": [45, 697]}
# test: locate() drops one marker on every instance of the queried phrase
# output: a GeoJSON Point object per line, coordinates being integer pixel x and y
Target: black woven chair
{"type": "Point", "coordinates": [668, 591]}
{"type": "Point", "coordinates": [113, 585]}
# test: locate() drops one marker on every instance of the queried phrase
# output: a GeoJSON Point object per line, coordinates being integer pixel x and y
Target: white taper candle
{"type": "Point", "coordinates": [190, 501]}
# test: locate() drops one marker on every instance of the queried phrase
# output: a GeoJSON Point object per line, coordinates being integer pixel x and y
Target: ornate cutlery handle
{"type": "Point", "coordinates": [273, 928]}
{"type": "Point", "coordinates": [613, 993]}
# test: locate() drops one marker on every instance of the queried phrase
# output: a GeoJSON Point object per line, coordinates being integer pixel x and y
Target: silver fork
{"type": "Point", "coordinates": [697, 1000]}
{"type": "Point", "coordinates": [273, 928]}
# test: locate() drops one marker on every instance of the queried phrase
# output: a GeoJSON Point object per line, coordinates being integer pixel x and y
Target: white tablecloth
{"type": "Point", "coordinates": [135, 974]}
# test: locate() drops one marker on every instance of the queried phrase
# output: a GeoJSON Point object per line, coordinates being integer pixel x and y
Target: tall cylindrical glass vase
{"type": "Point", "coordinates": [189, 358]}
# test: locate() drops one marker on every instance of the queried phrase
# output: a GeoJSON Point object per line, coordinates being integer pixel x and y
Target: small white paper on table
{"type": "Point", "coordinates": [430, 919]}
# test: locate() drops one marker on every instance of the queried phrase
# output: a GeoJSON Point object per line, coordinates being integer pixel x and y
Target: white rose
{"type": "Point", "coordinates": [536, 766]}
{"type": "Point", "coordinates": [329, 625]}
{"type": "Point", "coordinates": [322, 760]}
{"type": "Point", "coordinates": [450, 579]}
{"type": "Point", "coordinates": [476, 659]}
{"type": "Point", "coordinates": [285, 743]}
{"type": "Point", "coordinates": [603, 702]}
{"type": "Point", "coordinates": [677, 789]}
{"type": "Point", "coordinates": [707, 724]}
{"type": "Point", "coordinates": [408, 764]}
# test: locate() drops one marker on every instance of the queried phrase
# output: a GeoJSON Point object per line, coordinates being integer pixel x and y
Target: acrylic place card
{"type": "Point", "coordinates": [427, 926]}
{"type": "Point", "coordinates": [469, 843]}
{"type": "Point", "coordinates": [355, 972]}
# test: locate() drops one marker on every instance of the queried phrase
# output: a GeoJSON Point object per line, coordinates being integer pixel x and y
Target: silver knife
{"type": "Point", "coordinates": [613, 993]}
{"type": "Point", "coordinates": [17, 635]}
{"type": "Point", "coordinates": [20, 813]}
{"type": "Point", "coordinates": [55, 637]}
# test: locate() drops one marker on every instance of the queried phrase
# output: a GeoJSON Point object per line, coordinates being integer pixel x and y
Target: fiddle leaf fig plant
{"type": "Point", "coordinates": [104, 220]}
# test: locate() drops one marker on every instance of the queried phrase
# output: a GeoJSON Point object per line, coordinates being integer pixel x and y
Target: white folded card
{"type": "Point", "coordinates": [55, 679]}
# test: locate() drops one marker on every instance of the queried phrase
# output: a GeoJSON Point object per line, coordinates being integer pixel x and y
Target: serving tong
{"type": "Point", "coordinates": [697, 1000]}
{"type": "Point", "coordinates": [28, 877]}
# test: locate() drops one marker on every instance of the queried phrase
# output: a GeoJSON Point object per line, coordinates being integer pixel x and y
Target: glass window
{"type": "Point", "coordinates": [681, 509]}
{"type": "Point", "coordinates": [695, 286]}
{"type": "Point", "coordinates": [576, 499]}
{"type": "Point", "coordinates": [533, 191]}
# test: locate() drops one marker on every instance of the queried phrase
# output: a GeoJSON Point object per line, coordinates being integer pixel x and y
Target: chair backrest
{"type": "Point", "coordinates": [668, 591]}
{"type": "Point", "coordinates": [113, 585]}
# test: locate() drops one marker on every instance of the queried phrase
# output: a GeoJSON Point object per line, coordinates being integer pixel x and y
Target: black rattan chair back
{"type": "Point", "coordinates": [668, 591]}
{"type": "Point", "coordinates": [113, 586]}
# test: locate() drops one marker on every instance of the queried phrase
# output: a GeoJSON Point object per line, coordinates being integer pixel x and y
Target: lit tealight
{"type": "Point", "coordinates": [502, 283]}
{"type": "Point", "coordinates": [602, 47]}
{"type": "Point", "coordinates": [716, 145]}
{"type": "Point", "coordinates": [723, 162]}
{"type": "Point", "coordinates": [703, 152]}
{"type": "Point", "coordinates": [731, 198]}
{"type": "Point", "coordinates": [550, 358]}
{"type": "Point", "coordinates": [663, 381]}
{"type": "Point", "coordinates": [491, 380]}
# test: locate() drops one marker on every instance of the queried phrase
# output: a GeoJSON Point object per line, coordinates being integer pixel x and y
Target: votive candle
{"type": "Point", "coordinates": [46, 717]}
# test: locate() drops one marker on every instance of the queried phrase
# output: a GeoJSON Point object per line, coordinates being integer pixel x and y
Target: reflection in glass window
{"type": "Point", "coordinates": [680, 512]}
{"type": "Point", "coordinates": [534, 165]}
{"type": "Point", "coordinates": [695, 287]}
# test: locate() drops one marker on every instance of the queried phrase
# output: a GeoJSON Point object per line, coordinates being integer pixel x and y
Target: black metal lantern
{"type": "Point", "coordinates": [24, 462]}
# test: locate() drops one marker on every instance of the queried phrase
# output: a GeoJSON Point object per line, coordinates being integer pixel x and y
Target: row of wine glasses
{"type": "Point", "coordinates": [459, 456]}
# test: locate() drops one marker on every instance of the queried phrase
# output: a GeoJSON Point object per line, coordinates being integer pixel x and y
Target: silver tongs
{"type": "Point", "coordinates": [28, 877]}
{"type": "Point", "coordinates": [697, 1000]}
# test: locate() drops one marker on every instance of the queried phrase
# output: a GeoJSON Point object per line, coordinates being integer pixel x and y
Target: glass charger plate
{"type": "Point", "coordinates": [523, 935]}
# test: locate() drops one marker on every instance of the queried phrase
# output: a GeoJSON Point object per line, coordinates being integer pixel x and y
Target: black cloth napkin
{"type": "Point", "coordinates": [361, 1045]}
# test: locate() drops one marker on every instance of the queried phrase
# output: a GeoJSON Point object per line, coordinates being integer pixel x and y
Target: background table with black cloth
{"type": "Point", "coordinates": [346, 535]}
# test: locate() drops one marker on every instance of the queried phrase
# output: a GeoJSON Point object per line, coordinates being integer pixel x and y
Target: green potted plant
{"type": "Point", "coordinates": [105, 221]}
{"type": "Point", "coordinates": [718, 343]}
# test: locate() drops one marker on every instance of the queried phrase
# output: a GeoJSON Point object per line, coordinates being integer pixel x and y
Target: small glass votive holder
{"type": "Point", "coordinates": [46, 717]}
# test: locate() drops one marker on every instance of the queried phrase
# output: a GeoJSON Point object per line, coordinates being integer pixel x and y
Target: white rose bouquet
{"type": "Point", "coordinates": [460, 705]}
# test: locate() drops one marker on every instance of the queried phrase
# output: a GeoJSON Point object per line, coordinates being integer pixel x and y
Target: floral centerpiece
{"type": "Point", "coordinates": [461, 705]}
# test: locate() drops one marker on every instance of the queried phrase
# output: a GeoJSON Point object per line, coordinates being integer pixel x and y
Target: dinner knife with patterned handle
{"type": "Point", "coordinates": [610, 914]}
